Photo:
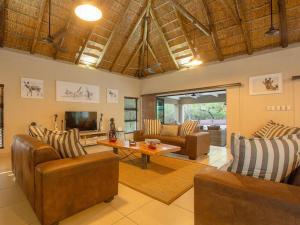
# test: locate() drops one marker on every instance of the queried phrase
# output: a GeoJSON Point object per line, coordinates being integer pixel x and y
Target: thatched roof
{"type": "Point", "coordinates": [136, 34]}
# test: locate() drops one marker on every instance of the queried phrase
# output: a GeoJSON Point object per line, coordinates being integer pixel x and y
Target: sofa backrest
{"type": "Point", "coordinates": [27, 152]}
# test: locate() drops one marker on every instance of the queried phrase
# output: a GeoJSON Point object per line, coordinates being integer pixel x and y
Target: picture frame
{"type": "Point", "coordinates": [77, 92]}
{"type": "Point", "coordinates": [266, 84]}
{"type": "Point", "coordinates": [112, 95]}
{"type": "Point", "coordinates": [32, 88]}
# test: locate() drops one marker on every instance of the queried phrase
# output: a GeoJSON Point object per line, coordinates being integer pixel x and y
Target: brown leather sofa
{"type": "Point", "coordinates": [223, 198]}
{"type": "Point", "coordinates": [58, 188]}
{"type": "Point", "coordinates": [193, 145]}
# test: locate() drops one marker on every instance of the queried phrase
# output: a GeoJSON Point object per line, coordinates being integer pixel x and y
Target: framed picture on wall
{"type": "Point", "coordinates": [32, 88]}
{"type": "Point", "coordinates": [76, 92]}
{"type": "Point", "coordinates": [112, 95]}
{"type": "Point", "coordinates": [266, 84]}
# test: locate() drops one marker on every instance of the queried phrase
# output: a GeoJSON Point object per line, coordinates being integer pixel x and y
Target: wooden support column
{"type": "Point", "coordinates": [163, 38]}
{"type": "Point", "coordinates": [132, 57]}
{"type": "Point", "coordinates": [154, 57]}
{"type": "Point", "coordinates": [214, 35]}
{"type": "Point", "coordinates": [42, 10]}
{"type": "Point", "coordinates": [283, 24]}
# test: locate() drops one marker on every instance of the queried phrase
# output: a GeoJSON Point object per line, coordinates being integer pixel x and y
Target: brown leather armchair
{"type": "Point", "coordinates": [225, 198]}
{"type": "Point", "coordinates": [58, 188]}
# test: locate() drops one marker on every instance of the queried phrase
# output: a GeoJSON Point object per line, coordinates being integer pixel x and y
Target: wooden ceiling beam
{"type": "Point", "coordinates": [62, 40]}
{"type": "Point", "coordinates": [237, 15]}
{"type": "Point", "coordinates": [3, 8]}
{"type": "Point", "coordinates": [284, 41]}
{"type": "Point", "coordinates": [214, 35]}
{"type": "Point", "coordinates": [90, 33]}
{"type": "Point", "coordinates": [161, 34]}
{"type": "Point", "coordinates": [108, 43]}
{"type": "Point", "coordinates": [185, 33]}
{"type": "Point", "coordinates": [145, 36]}
{"type": "Point", "coordinates": [155, 57]}
{"type": "Point", "coordinates": [128, 38]}
{"type": "Point", "coordinates": [191, 18]}
{"type": "Point", "coordinates": [42, 10]}
{"type": "Point", "coordinates": [132, 57]}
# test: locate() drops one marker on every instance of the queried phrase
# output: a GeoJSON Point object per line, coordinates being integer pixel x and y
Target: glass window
{"type": "Point", "coordinates": [130, 107]}
{"type": "Point", "coordinates": [1, 116]}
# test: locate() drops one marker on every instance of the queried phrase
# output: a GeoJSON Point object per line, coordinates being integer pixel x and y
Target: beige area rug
{"type": "Point", "coordinates": [165, 180]}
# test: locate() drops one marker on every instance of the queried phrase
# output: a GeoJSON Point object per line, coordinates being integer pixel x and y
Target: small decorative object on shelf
{"type": "Point", "coordinates": [55, 122]}
{"type": "Point", "coordinates": [100, 128]}
{"type": "Point", "coordinates": [112, 134]}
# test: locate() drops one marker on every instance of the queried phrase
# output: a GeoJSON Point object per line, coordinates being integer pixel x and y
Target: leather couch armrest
{"type": "Point", "coordinates": [64, 187]}
{"type": "Point", "coordinates": [226, 198]}
{"type": "Point", "coordinates": [197, 144]}
{"type": "Point", "coordinates": [138, 135]}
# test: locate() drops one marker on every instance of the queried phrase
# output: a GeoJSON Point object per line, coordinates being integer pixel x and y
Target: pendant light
{"type": "Point", "coordinates": [88, 11]}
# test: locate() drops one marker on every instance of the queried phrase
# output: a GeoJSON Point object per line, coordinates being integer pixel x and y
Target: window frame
{"type": "Point", "coordinates": [2, 115]}
{"type": "Point", "coordinates": [131, 109]}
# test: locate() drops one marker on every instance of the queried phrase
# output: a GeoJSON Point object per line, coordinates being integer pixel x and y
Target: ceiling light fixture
{"type": "Point", "coordinates": [88, 11]}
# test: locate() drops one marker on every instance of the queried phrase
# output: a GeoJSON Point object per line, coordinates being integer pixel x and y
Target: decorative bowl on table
{"type": "Point", "coordinates": [113, 140]}
{"type": "Point", "coordinates": [152, 145]}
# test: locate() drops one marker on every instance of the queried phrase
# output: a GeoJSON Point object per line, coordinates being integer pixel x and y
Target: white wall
{"type": "Point", "coordinates": [245, 113]}
{"type": "Point", "coordinates": [19, 112]}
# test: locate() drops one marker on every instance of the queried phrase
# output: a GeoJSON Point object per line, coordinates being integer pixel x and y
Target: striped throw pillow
{"type": "Point", "coordinates": [37, 132]}
{"type": "Point", "coordinates": [280, 130]}
{"type": "Point", "coordinates": [188, 127]}
{"type": "Point", "coordinates": [66, 143]}
{"type": "Point", "coordinates": [152, 127]}
{"type": "Point", "coordinates": [261, 133]}
{"type": "Point", "coordinates": [268, 159]}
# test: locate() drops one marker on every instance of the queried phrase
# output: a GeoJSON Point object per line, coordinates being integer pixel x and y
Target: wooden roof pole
{"type": "Point", "coordinates": [130, 35]}
{"type": "Point", "coordinates": [238, 16]}
{"type": "Point", "coordinates": [214, 36]}
{"type": "Point", "coordinates": [191, 18]}
{"type": "Point", "coordinates": [145, 36]}
{"type": "Point", "coordinates": [155, 58]}
{"type": "Point", "coordinates": [2, 22]}
{"type": "Point", "coordinates": [39, 25]}
{"type": "Point", "coordinates": [133, 56]}
{"type": "Point", "coordinates": [284, 41]}
{"type": "Point", "coordinates": [106, 47]}
{"type": "Point", "coordinates": [163, 38]}
{"type": "Point", "coordinates": [185, 33]}
{"type": "Point", "coordinates": [90, 33]}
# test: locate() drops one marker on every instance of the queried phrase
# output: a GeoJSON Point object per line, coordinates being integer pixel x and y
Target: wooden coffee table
{"type": "Point", "coordinates": [140, 147]}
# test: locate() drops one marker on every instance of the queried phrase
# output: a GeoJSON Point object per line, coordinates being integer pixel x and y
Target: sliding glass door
{"type": "Point", "coordinates": [1, 116]}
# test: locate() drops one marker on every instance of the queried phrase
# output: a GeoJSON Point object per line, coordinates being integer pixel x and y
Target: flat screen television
{"type": "Point", "coordinates": [84, 121]}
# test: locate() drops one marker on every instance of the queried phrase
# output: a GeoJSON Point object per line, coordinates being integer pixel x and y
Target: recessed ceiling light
{"type": "Point", "coordinates": [88, 12]}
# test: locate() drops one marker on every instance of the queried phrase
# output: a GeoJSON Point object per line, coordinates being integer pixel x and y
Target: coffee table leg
{"type": "Point", "coordinates": [115, 150]}
{"type": "Point", "coordinates": [148, 158]}
{"type": "Point", "coordinates": [144, 161]}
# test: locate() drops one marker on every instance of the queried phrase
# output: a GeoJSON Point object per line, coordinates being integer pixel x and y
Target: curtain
{"type": "Point", "coordinates": [1, 115]}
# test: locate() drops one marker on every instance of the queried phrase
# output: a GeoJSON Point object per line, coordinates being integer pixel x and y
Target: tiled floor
{"type": "Point", "coordinates": [128, 208]}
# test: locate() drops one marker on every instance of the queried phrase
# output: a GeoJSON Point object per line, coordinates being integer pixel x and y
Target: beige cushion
{"type": "Point", "coordinates": [169, 130]}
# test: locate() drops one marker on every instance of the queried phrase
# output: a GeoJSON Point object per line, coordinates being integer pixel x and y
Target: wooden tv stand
{"type": "Point", "coordinates": [90, 138]}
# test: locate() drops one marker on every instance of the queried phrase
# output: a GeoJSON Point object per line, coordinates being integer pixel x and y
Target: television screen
{"type": "Point", "coordinates": [84, 121]}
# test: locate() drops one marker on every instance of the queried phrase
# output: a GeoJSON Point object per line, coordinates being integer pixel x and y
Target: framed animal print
{"type": "Point", "coordinates": [32, 88]}
{"type": "Point", "coordinates": [266, 84]}
{"type": "Point", "coordinates": [112, 95]}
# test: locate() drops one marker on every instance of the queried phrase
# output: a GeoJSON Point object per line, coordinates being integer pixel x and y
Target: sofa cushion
{"type": "Point", "coordinates": [66, 143]}
{"type": "Point", "coordinates": [177, 141]}
{"type": "Point", "coordinates": [269, 159]}
{"type": "Point", "coordinates": [37, 132]}
{"type": "Point", "coordinates": [169, 130]}
{"type": "Point", "coordinates": [279, 130]}
{"type": "Point", "coordinates": [261, 133]}
{"type": "Point", "coordinates": [152, 126]}
{"type": "Point", "coordinates": [188, 127]}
